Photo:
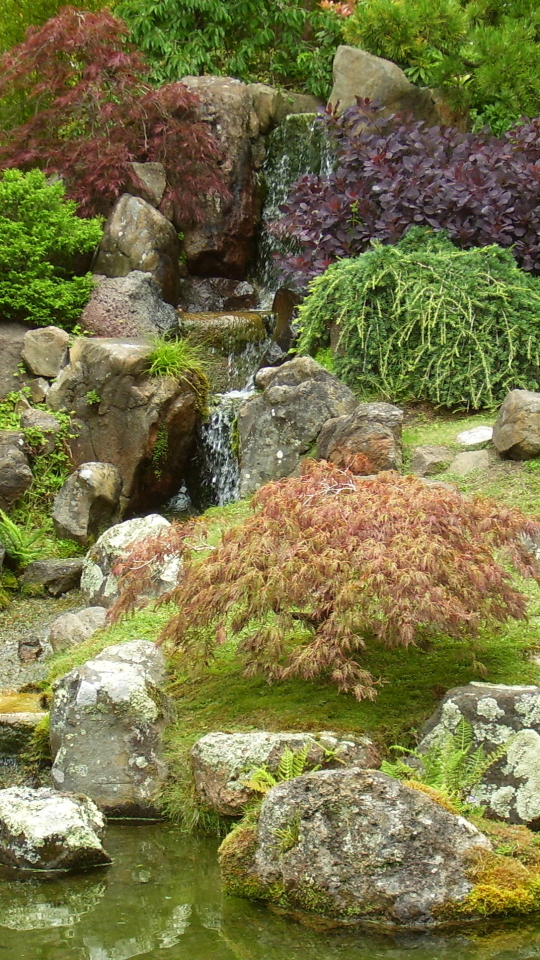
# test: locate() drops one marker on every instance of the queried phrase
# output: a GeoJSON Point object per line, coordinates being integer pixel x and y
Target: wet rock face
{"type": "Point", "coordinates": [516, 433]}
{"type": "Point", "coordinates": [370, 435]}
{"type": "Point", "coordinates": [138, 237]}
{"type": "Point", "coordinates": [98, 582]}
{"type": "Point", "coordinates": [498, 714]}
{"type": "Point", "coordinates": [107, 718]}
{"type": "Point", "coordinates": [129, 306]}
{"type": "Point", "coordinates": [281, 425]}
{"type": "Point", "coordinates": [357, 845]}
{"type": "Point", "coordinates": [223, 244]}
{"type": "Point", "coordinates": [88, 502]}
{"type": "Point", "coordinates": [45, 830]}
{"type": "Point", "coordinates": [144, 426]}
{"type": "Point", "coordinates": [15, 472]}
{"type": "Point", "coordinates": [223, 761]}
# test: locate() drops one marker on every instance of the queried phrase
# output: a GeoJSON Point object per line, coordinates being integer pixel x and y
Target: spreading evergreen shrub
{"type": "Point", "coordinates": [425, 321]}
{"type": "Point", "coordinates": [286, 42]}
{"type": "Point", "coordinates": [42, 243]}
{"type": "Point", "coordinates": [391, 173]}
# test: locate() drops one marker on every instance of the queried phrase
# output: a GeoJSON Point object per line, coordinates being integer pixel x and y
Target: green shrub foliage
{"type": "Point", "coordinates": [484, 54]}
{"type": "Point", "coordinates": [328, 562]}
{"type": "Point", "coordinates": [17, 15]}
{"type": "Point", "coordinates": [425, 321]}
{"type": "Point", "coordinates": [289, 42]}
{"type": "Point", "coordinates": [42, 247]}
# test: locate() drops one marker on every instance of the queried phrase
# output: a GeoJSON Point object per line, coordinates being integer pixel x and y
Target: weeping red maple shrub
{"type": "Point", "coordinates": [74, 101]}
{"type": "Point", "coordinates": [330, 560]}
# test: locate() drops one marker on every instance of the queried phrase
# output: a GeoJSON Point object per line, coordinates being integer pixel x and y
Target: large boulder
{"type": "Point", "coordinates": [11, 347]}
{"type": "Point", "coordinates": [107, 719]}
{"type": "Point", "coordinates": [223, 243]}
{"type": "Point", "coordinates": [129, 306]}
{"type": "Point", "coordinates": [145, 426]}
{"type": "Point", "coordinates": [44, 830]}
{"type": "Point", "coordinates": [354, 845]}
{"type": "Point", "coordinates": [15, 473]}
{"type": "Point", "coordinates": [360, 74]}
{"type": "Point", "coordinates": [88, 502]}
{"type": "Point", "coordinates": [498, 715]}
{"type": "Point", "coordinates": [138, 237]}
{"type": "Point", "coordinates": [98, 582]}
{"type": "Point", "coordinates": [281, 425]}
{"type": "Point", "coordinates": [222, 762]}
{"type": "Point", "coordinates": [516, 433]}
{"type": "Point", "coordinates": [370, 437]}
{"type": "Point", "coordinates": [45, 351]}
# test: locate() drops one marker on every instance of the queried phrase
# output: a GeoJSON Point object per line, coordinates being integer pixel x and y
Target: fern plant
{"type": "Point", "coordinates": [292, 764]}
{"type": "Point", "coordinates": [451, 765]}
{"type": "Point", "coordinates": [20, 544]}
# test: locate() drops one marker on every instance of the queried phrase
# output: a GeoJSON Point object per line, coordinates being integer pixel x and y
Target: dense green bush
{"type": "Point", "coordinates": [42, 246]}
{"type": "Point", "coordinates": [484, 54]}
{"type": "Point", "coordinates": [423, 320]}
{"type": "Point", "coordinates": [282, 42]}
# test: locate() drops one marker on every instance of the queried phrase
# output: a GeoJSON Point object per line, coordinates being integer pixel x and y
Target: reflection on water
{"type": "Point", "coordinates": [161, 901]}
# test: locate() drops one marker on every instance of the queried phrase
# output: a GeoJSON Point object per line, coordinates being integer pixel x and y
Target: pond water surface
{"type": "Point", "coordinates": [161, 900]}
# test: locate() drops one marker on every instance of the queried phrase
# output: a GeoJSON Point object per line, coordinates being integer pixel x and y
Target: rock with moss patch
{"type": "Point", "coordinates": [16, 731]}
{"type": "Point", "coordinates": [222, 762]}
{"type": "Point", "coordinates": [354, 845]}
{"type": "Point", "coordinates": [44, 830]}
{"type": "Point", "coordinates": [498, 715]}
{"type": "Point", "coordinates": [107, 719]}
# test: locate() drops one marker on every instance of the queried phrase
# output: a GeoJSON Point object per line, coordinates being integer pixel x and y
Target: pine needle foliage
{"type": "Point", "coordinates": [423, 320]}
{"type": "Point", "coordinates": [329, 560]}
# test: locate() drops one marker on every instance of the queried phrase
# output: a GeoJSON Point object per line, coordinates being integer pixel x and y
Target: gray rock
{"type": "Point", "coordinates": [57, 576]}
{"type": "Point", "coordinates": [429, 460]}
{"type": "Point", "coordinates": [516, 433]}
{"type": "Point", "coordinates": [278, 427]}
{"type": "Point", "coordinates": [39, 388]}
{"type": "Point", "coordinates": [498, 714]}
{"type": "Point", "coordinates": [471, 461]}
{"type": "Point", "coordinates": [222, 762]}
{"type": "Point", "coordinates": [138, 237]}
{"type": "Point", "coordinates": [129, 306]}
{"type": "Point", "coordinates": [15, 473]}
{"type": "Point", "coordinates": [11, 346]}
{"type": "Point", "coordinates": [216, 295]}
{"type": "Point", "coordinates": [369, 439]}
{"type": "Point", "coordinates": [44, 830]}
{"type": "Point", "coordinates": [30, 648]}
{"type": "Point", "coordinates": [46, 423]}
{"type": "Point", "coordinates": [476, 438]}
{"type": "Point", "coordinates": [272, 106]}
{"type": "Point", "coordinates": [107, 718]}
{"type": "Point", "coordinates": [360, 74]}
{"type": "Point", "coordinates": [99, 584]}
{"type": "Point", "coordinates": [88, 502]}
{"type": "Point", "coordinates": [152, 180]}
{"type": "Point", "coordinates": [356, 845]}
{"type": "Point", "coordinates": [16, 731]}
{"type": "Point", "coordinates": [73, 628]}
{"type": "Point", "coordinates": [45, 351]}
{"type": "Point", "coordinates": [145, 426]}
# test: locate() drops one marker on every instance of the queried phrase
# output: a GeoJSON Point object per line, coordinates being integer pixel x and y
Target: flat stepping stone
{"type": "Point", "coordinates": [476, 438]}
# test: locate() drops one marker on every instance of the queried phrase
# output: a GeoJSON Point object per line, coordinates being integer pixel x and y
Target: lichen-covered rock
{"type": "Point", "coordinates": [370, 437]}
{"type": "Point", "coordinates": [354, 845]}
{"type": "Point", "coordinates": [145, 426]}
{"type": "Point", "coordinates": [45, 351]}
{"type": "Point", "coordinates": [98, 582]}
{"type": "Point", "coordinates": [498, 714]}
{"type": "Point", "coordinates": [44, 830]}
{"type": "Point", "coordinates": [15, 473]}
{"type": "Point", "coordinates": [281, 425]}
{"type": "Point", "coordinates": [72, 628]}
{"type": "Point", "coordinates": [88, 502]}
{"type": "Point", "coordinates": [55, 576]}
{"type": "Point", "coordinates": [138, 237]}
{"type": "Point", "coordinates": [129, 306]}
{"type": "Point", "coordinates": [516, 433]}
{"type": "Point", "coordinates": [222, 761]}
{"type": "Point", "coordinates": [107, 718]}
{"type": "Point", "coordinates": [16, 731]}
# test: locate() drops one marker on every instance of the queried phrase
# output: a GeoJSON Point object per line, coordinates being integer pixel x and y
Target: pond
{"type": "Point", "coordinates": [161, 900]}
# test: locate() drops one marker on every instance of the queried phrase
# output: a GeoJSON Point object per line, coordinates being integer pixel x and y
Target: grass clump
{"type": "Point", "coordinates": [423, 320]}
{"type": "Point", "coordinates": [181, 360]}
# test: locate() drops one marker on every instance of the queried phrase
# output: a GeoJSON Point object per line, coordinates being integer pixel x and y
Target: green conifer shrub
{"type": "Point", "coordinates": [42, 246]}
{"type": "Point", "coordinates": [423, 320]}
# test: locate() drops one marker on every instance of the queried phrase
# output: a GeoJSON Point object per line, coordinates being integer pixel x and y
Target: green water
{"type": "Point", "coordinates": [161, 900]}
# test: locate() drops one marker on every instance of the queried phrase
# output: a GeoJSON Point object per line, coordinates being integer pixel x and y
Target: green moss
{"type": "Point", "coordinates": [236, 859]}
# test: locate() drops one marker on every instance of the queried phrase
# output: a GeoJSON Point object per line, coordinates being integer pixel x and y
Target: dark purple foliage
{"type": "Point", "coordinates": [391, 173]}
